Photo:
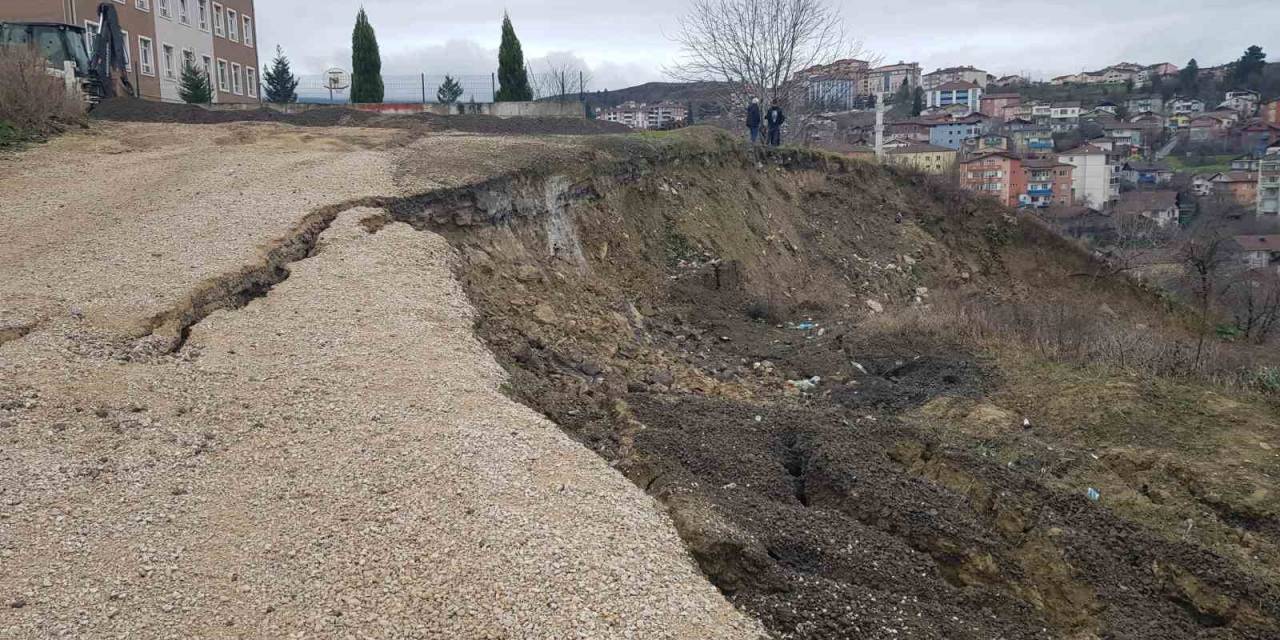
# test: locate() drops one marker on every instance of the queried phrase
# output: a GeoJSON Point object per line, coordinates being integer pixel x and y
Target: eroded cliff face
{"type": "Point", "coordinates": [741, 335]}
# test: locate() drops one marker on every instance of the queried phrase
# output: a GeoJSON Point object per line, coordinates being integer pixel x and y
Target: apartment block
{"type": "Point", "coordinates": [165, 35]}
{"type": "Point", "coordinates": [999, 175]}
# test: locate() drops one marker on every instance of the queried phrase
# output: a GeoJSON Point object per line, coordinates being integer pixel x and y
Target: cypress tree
{"type": "Point", "coordinates": [513, 78]}
{"type": "Point", "coordinates": [281, 85]}
{"type": "Point", "coordinates": [366, 63]}
{"type": "Point", "coordinates": [195, 88]}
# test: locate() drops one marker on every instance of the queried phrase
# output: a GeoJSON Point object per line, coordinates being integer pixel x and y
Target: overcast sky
{"type": "Point", "coordinates": [627, 43]}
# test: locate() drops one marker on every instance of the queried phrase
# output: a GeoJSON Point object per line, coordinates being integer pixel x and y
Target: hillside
{"type": "Point", "coordinates": [562, 385]}
{"type": "Point", "coordinates": [683, 92]}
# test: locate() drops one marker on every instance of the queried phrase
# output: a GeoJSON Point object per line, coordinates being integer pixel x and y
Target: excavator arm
{"type": "Point", "coordinates": [109, 47]}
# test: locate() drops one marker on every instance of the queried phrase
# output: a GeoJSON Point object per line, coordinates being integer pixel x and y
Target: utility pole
{"type": "Point", "coordinates": [879, 129]}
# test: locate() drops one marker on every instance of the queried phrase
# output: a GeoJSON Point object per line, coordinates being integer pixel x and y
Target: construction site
{"type": "Point", "coordinates": [343, 374]}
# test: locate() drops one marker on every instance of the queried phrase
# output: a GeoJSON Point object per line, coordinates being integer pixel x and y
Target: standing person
{"type": "Point", "coordinates": [753, 119]}
{"type": "Point", "coordinates": [775, 118]}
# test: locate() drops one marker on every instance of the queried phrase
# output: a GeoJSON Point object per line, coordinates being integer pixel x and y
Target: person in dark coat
{"type": "Point", "coordinates": [753, 119]}
{"type": "Point", "coordinates": [774, 119]}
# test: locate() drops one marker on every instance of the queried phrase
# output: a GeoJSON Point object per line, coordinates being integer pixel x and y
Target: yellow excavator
{"type": "Point", "coordinates": [91, 77]}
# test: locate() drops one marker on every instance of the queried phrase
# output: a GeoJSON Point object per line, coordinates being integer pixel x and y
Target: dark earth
{"type": "Point", "coordinates": [820, 510]}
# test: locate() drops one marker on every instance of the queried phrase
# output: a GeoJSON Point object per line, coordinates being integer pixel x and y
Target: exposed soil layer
{"type": "Point", "coordinates": [133, 110]}
{"type": "Point", "coordinates": [701, 324]}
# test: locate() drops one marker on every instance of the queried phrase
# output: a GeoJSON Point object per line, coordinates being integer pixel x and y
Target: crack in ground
{"type": "Point", "coordinates": [238, 289]}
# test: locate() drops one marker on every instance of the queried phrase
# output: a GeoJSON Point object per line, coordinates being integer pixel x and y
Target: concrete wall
{"type": "Point", "coordinates": [172, 31]}
{"type": "Point", "coordinates": [572, 109]}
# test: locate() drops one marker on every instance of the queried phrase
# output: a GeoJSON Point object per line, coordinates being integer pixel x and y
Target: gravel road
{"type": "Point", "coordinates": [334, 459]}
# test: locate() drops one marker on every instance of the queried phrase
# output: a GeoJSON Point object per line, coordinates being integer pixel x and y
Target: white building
{"type": "Point", "coordinates": [183, 34]}
{"type": "Point", "coordinates": [1094, 182]}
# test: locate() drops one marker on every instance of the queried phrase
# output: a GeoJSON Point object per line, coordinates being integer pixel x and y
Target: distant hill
{"type": "Point", "coordinates": [684, 92]}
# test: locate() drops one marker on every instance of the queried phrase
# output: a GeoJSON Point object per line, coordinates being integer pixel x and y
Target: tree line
{"type": "Point", "coordinates": [280, 85]}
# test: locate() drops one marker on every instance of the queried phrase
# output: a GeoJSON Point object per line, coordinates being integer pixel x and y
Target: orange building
{"type": "Point", "coordinates": [1270, 112]}
{"type": "Point", "coordinates": [1048, 182]}
{"type": "Point", "coordinates": [999, 175]}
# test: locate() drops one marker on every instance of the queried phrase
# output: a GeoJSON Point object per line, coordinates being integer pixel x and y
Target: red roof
{"type": "Point", "coordinates": [1259, 243]}
{"type": "Point", "coordinates": [955, 85]}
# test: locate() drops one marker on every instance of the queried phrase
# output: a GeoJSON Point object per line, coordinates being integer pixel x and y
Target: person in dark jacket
{"type": "Point", "coordinates": [753, 119]}
{"type": "Point", "coordinates": [774, 119]}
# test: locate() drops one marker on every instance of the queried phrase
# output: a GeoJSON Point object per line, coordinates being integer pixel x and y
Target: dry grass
{"type": "Point", "coordinates": [31, 100]}
{"type": "Point", "coordinates": [1079, 331]}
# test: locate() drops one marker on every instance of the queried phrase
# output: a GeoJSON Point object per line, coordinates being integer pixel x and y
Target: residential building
{"type": "Point", "coordinates": [137, 22]}
{"type": "Point", "coordinates": [1010, 81]}
{"type": "Point", "coordinates": [163, 36]}
{"type": "Point", "coordinates": [1240, 186]}
{"type": "Point", "coordinates": [1202, 184]}
{"type": "Point", "coordinates": [1094, 181]}
{"type": "Point", "coordinates": [1260, 252]}
{"type": "Point", "coordinates": [1160, 207]}
{"type": "Point", "coordinates": [1212, 125]}
{"type": "Point", "coordinates": [952, 133]}
{"type": "Point", "coordinates": [1048, 182]}
{"type": "Point", "coordinates": [1142, 172]}
{"type": "Point", "coordinates": [1185, 106]}
{"type": "Point", "coordinates": [235, 49]}
{"type": "Point", "coordinates": [999, 105]}
{"type": "Point", "coordinates": [1270, 112]}
{"type": "Point", "coordinates": [1149, 119]}
{"type": "Point", "coordinates": [925, 157]}
{"type": "Point", "coordinates": [914, 129]}
{"type": "Point", "coordinates": [935, 79]}
{"type": "Point", "coordinates": [1161, 69]}
{"type": "Point", "coordinates": [636, 115]}
{"type": "Point", "coordinates": [1268, 200]}
{"type": "Point", "coordinates": [1256, 135]}
{"type": "Point", "coordinates": [987, 143]}
{"type": "Point", "coordinates": [1242, 102]}
{"type": "Point", "coordinates": [998, 175]}
{"type": "Point", "coordinates": [1064, 116]}
{"type": "Point", "coordinates": [1126, 133]}
{"type": "Point", "coordinates": [1153, 103]}
{"type": "Point", "coordinates": [886, 80]}
{"type": "Point", "coordinates": [1032, 140]}
{"type": "Point", "coordinates": [966, 94]}
{"type": "Point", "coordinates": [836, 86]}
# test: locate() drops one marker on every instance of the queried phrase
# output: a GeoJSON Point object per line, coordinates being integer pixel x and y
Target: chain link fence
{"type": "Point", "coordinates": [410, 88]}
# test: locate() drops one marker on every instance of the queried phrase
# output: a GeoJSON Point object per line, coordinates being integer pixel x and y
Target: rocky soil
{"type": "Point", "coordinates": [236, 401]}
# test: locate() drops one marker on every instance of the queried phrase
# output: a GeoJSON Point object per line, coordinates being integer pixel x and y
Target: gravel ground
{"type": "Point", "coordinates": [335, 459]}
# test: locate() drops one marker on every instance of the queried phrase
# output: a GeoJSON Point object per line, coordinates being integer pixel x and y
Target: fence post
{"type": "Point", "coordinates": [424, 87]}
{"type": "Point", "coordinates": [493, 87]}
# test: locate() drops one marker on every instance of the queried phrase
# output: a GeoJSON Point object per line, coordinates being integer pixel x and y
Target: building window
{"type": "Point", "coordinates": [142, 5]}
{"type": "Point", "coordinates": [224, 84]}
{"type": "Point", "coordinates": [208, 67]}
{"type": "Point", "coordinates": [128, 57]}
{"type": "Point", "coordinates": [146, 57]}
{"type": "Point", "coordinates": [184, 13]}
{"type": "Point", "coordinates": [167, 58]}
{"type": "Point", "coordinates": [90, 35]}
{"type": "Point", "coordinates": [251, 82]}
{"type": "Point", "coordinates": [188, 59]}
{"type": "Point", "coordinates": [202, 14]}
{"type": "Point", "coordinates": [248, 31]}
{"type": "Point", "coordinates": [219, 21]}
{"type": "Point", "coordinates": [233, 26]}
{"type": "Point", "coordinates": [235, 80]}
{"type": "Point", "coordinates": [164, 9]}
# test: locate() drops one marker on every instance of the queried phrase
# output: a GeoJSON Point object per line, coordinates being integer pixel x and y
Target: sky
{"type": "Point", "coordinates": [628, 43]}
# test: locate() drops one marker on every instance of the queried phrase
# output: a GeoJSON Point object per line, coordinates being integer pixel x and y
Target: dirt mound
{"type": "Point", "coordinates": [133, 110]}
{"type": "Point", "coordinates": [706, 323]}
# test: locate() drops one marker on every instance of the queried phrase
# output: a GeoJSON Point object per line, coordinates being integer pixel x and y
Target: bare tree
{"type": "Point", "coordinates": [1206, 256]}
{"type": "Point", "coordinates": [563, 79]}
{"type": "Point", "coordinates": [758, 46]}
